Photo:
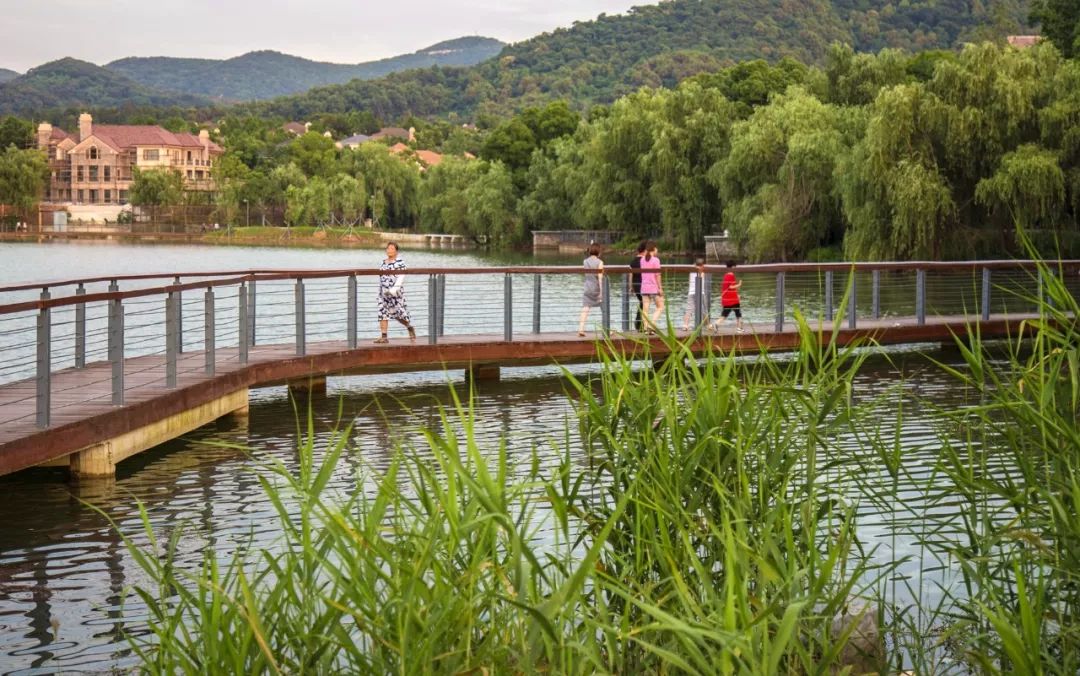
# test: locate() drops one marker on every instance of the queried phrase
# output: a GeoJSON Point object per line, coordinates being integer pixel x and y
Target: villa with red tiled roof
{"type": "Point", "coordinates": [96, 167]}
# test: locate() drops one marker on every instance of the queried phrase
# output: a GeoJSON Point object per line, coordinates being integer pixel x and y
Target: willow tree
{"type": "Point", "coordinates": [22, 176]}
{"type": "Point", "coordinates": [778, 180]}
{"type": "Point", "coordinates": [1029, 186]}
{"type": "Point", "coordinates": [554, 186]}
{"type": "Point", "coordinates": [393, 183]}
{"type": "Point", "coordinates": [691, 138]}
{"type": "Point", "coordinates": [444, 205]}
{"type": "Point", "coordinates": [615, 164]}
{"type": "Point", "coordinates": [492, 205]}
{"type": "Point", "coordinates": [896, 200]}
{"type": "Point", "coordinates": [309, 204]}
{"type": "Point", "coordinates": [348, 198]}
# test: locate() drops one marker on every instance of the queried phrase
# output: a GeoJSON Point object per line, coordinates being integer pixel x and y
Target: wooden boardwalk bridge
{"type": "Point", "coordinates": [181, 354]}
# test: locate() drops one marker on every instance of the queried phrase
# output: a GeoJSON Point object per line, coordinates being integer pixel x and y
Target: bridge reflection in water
{"type": "Point", "coordinates": [92, 373]}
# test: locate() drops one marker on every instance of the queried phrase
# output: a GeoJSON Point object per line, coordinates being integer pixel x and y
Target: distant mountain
{"type": "Point", "coordinates": [70, 83]}
{"type": "Point", "coordinates": [6, 75]}
{"type": "Point", "coordinates": [266, 74]}
{"type": "Point", "coordinates": [660, 45]}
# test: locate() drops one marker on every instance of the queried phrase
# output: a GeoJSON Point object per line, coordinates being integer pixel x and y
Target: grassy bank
{"type": "Point", "coordinates": [308, 236]}
{"type": "Point", "coordinates": [712, 529]}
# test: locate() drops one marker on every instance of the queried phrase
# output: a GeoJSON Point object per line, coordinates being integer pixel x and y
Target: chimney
{"type": "Point", "coordinates": [412, 134]}
{"type": "Point", "coordinates": [204, 138]}
{"type": "Point", "coordinates": [86, 126]}
{"type": "Point", "coordinates": [44, 133]}
{"type": "Point", "coordinates": [307, 127]}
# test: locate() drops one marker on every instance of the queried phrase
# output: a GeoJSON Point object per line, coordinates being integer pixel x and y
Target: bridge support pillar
{"type": "Point", "coordinates": [482, 372]}
{"type": "Point", "coordinates": [315, 385]}
{"type": "Point", "coordinates": [100, 459]}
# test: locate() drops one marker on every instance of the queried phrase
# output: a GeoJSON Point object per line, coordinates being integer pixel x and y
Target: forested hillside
{"type": "Point", "coordinates": [266, 74]}
{"type": "Point", "coordinates": [70, 83]}
{"type": "Point", "coordinates": [660, 45]}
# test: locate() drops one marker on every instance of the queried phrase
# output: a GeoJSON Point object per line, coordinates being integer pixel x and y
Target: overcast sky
{"type": "Point", "coordinates": [344, 31]}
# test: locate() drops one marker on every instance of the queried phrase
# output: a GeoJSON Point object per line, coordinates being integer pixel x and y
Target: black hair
{"type": "Point", "coordinates": [641, 247]}
{"type": "Point", "coordinates": [649, 246]}
{"type": "Point", "coordinates": [730, 264]}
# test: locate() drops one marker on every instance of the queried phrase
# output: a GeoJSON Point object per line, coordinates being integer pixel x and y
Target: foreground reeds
{"type": "Point", "coordinates": [710, 528]}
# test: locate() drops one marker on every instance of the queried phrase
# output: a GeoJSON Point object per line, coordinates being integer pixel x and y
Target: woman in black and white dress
{"type": "Point", "coordinates": [392, 294]}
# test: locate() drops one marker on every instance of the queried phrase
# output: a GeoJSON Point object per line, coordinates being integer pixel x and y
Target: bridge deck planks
{"type": "Point", "coordinates": [82, 398]}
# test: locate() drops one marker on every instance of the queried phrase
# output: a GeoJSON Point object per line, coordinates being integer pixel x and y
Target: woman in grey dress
{"type": "Point", "coordinates": [593, 296]}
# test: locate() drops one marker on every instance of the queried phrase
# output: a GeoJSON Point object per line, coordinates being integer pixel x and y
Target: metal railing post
{"type": "Point", "coordinates": [536, 303]}
{"type": "Point", "coordinates": [442, 305]}
{"type": "Point", "coordinates": [433, 309]}
{"type": "Point", "coordinates": [209, 335]}
{"type": "Point", "coordinates": [985, 294]}
{"type": "Point", "coordinates": [44, 363]}
{"type": "Point", "coordinates": [243, 331]}
{"type": "Point", "coordinates": [351, 321]}
{"type": "Point", "coordinates": [172, 338]}
{"type": "Point", "coordinates": [853, 301]}
{"type": "Point", "coordinates": [707, 297]}
{"type": "Point", "coordinates": [920, 297]}
{"type": "Point", "coordinates": [626, 303]}
{"type": "Point", "coordinates": [875, 311]}
{"type": "Point", "coordinates": [80, 330]}
{"type": "Point", "coordinates": [251, 311]}
{"type": "Point", "coordinates": [779, 302]}
{"type": "Point", "coordinates": [301, 319]}
{"type": "Point", "coordinates": [1044, 298]}
{"type": "Point", "coordinates": [699, 288]}
{"type": "Point", "coordinates": [828, 295]}
{"type": "Point", "coordinates": [605, 304]}
{"type": "Point", "coordinates": [179, 316]}
{"type": "Point", "coordinates": [508, 308]}
{"type": "Point", "coordinates": [116, 346]}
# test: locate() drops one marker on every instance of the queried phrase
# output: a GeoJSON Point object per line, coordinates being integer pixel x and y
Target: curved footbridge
{"type": "Point", "coordinates": [95, 374]}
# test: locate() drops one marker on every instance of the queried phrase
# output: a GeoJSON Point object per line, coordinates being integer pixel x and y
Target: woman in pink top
{"type": "Point", "coordinates": [652, 291]}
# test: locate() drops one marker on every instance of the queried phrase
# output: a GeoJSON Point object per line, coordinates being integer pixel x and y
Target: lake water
{"type": "Point", "coordinates": [64, 572]}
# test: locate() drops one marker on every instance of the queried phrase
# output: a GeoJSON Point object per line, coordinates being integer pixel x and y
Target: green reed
{"type": "Point", "coordinates": [1013, 537]}
{"type": "Point", "coordinates": [709, 528]}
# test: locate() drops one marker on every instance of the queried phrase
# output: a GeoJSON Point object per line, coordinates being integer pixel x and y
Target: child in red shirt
{"type": "Point", "coordinates": [729, 298]}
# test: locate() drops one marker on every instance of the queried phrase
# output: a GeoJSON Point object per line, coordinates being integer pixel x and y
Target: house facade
{"type": "Point", "coordinates": [96, 166]}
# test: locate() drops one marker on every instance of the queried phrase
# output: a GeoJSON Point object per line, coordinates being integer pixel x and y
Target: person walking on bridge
{"type": "Point", "coordinates": [729, 298]}
{"type": "Point", "coordinates": [635, 284]}
{"type": "Point", "coordinates": [594, 289]}
{"type": "Point", "coordinates": [652, 289]}
{"type": "Point", "coordinates": [392, 294]}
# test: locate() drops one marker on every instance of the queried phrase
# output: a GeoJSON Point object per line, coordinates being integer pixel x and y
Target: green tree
{"type": "Point", "coordinates": [1060, 21]}
{"type": "Point", "coordinates": [22, 176]}
{"type": "Point", "coordinates": [1029, 185]}
{"type": "Point", "coordinates": [491, 200]}
{"type": "Point", "coordinates": [315, 154]}
{"type": "Point", "coordinates": [348, 198]}
{"type": "Point", "coordinates": [156, 188]}
{"type": "Point", "coordinates": [394, 184]}
{"type": "Point", "coordinates": [511, 143]}
{"type": "Point", "coordinates": [444, 201]}
{"type": "Point", "coordinates": [691, 139]}
{"type": "Point", "coordinates": [16, 132]}
{"type": "Point", "coordinates": [778, 180]}
{"type": "Point", "coordinates": [554, 186]}
{"type": "Point", "coordinates": [897, 201]}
